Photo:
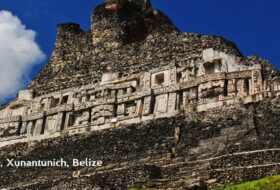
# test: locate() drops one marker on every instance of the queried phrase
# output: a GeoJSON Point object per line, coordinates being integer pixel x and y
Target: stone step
{"type": "Point", "coordinates": [195, 167]}
{"type": "Point", "coordinates": [191, 169]}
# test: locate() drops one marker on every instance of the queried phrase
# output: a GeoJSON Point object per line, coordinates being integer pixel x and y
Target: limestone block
{"type": "Point", "coordinates": [138, 107]}
{"type": "Point", "coordinates": [25, 95]}
{"type": "Point", "coordinates": [38, 130]}
{"type": "Point", "coordinates": [161, 103]}
{"type": "Point", "coordinates": [30, 127]}
{"type": "Point", "coordinates": [59, 121]}
{"type": "Point", "coordinates": [23, 128]}
{"type": "Point", "coordinates": [209, 55]}
{"type": "Point", "coordinates": [107, 77]}
{"type": "Point", "coordinates": [147, 105]}
{"type": "Point", "coordinates": [172, 102]}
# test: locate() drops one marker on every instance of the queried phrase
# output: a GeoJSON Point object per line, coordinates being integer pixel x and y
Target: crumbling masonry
{"type": "Point", "coordinates": [132, 68]}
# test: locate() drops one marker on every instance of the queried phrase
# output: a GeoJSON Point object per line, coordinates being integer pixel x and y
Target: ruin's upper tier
{"type": "Point", "coordinates": [123, 39]}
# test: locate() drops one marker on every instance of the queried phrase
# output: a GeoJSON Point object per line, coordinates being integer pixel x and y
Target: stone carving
{"type": "Point", "coordinates": [132, 69]}
{"type": "Point", "coordinates": [82, 118]}
{"type": "Point", "coordinates": [127, 99]}
{"type": "Point", "coordinates": [160, 91]}
{"type": "Point", "coordinates": [211, 89]}
{"type": "Point", "coordinates": [218, 87]}
{"type": "Point", "coordinates": [188, 74]}
{"type": "Point", "coordinates": [145, 81]}
{"type": "Point", "coordinates": [256, 82]}
{"type": "Point", "coordinates": [121, 110]}
{"type": "Point", "coordinates": [130, 109]}
{"type": "Point", "coordinates": [147, 105]}
{"type": "Point", "coordinates": [190, 97]}
{"type": "Point", "coordinates": [51, 123]}
{"type": "Point", "coordinates": [241, 88]}
{"type": "Point", "coordinates": [9, 129]}
{"type": "Point", "coordinates": [231, 88]}
{"type": "Point", "coordinates": [102, 114]}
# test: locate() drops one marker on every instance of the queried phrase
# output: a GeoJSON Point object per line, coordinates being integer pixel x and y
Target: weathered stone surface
{"type": "Point", "coordinates": [150, 143]}
{"type": "Point", "coordinates": [160, 108]}
{"type": "Point", "coordinates": [126, 41]}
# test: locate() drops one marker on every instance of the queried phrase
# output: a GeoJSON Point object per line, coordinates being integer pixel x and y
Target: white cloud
{"type": "Point", "coordinates": [18, 53]}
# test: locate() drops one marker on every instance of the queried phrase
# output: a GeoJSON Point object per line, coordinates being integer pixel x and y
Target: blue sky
{"type": "Point", "coordinates": [252, 24]}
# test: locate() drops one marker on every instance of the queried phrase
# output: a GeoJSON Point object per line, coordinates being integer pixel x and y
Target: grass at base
{"type": "Point", "coordinates": [268, 183]}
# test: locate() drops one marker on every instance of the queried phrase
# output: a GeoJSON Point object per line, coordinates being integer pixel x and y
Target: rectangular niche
{"type": "Point", "coordinates": [64, 100]}
{"type": "Point", "coordinates": [213, 67]}
{"type": "Point", "coordinates": [160, 79]}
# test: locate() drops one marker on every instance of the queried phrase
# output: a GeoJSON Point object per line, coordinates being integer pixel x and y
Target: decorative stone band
{"type": "Point", "coordinates": [156, 94]}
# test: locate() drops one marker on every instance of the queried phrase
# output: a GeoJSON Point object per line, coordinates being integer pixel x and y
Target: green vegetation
{"type": "Point", "coordinates": [268, 183]}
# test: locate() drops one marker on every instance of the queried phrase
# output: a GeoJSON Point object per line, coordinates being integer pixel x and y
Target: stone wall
{"type": "Point", "coordinates": [160, 108]}
{"type": "Point", "coordinates": [212, 82]}
{"type": "Point", "coordinates": [78, 58]}
{"type": "Point", "coordinates": [225, 139]}
{"type": "Point", "coordinates": [132, 66]}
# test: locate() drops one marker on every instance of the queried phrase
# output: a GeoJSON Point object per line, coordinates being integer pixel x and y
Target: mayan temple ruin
{"type": "Point", "coordinates": [161, 108]}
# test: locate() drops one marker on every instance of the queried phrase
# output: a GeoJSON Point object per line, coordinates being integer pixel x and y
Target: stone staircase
{"type": "Point", "coordinates": [188, 175]}
{"type": "Point", "coordinates": [180, 174]}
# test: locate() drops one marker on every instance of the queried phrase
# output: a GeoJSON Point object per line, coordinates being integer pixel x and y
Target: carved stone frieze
{"type": "Point", "coordinates": [160, 91]}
